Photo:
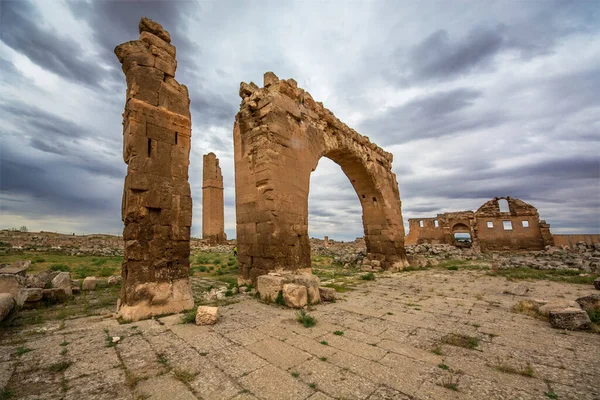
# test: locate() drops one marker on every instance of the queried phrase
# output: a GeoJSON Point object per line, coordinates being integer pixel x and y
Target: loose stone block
{"type": "Point", "coordinates": [569, 318]}
{"type": "Point", "coordinates": [327, 294]}
{"type": "Point", "coordinates": [311, 282]}
{"type": "Point", "coordinates": [294, 295]}
{"type": "Point", "coordinates": [89, 283]}
{"type": "Point", "coordinates": [206, 315]}
{"type": "Point", "coordinates": [114, 280]}
{"type": "Point", "coordinates": [32, 294]}
{"type": "Point", "coordinates": [7, 303]}
{"type": "Point", "coordinates": [157, 205]}
{"type": "Point", "coordinates": [63, 281]}
{"type": "Point", "coordinates": [590, 302]}
{"type": "Point", "coordinates": [269, 286]}
{"type": "Point", "coordinates": [597, 283]}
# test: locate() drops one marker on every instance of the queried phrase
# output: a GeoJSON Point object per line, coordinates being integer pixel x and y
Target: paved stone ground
{"type": "Point", "coordinates": [258, 351]}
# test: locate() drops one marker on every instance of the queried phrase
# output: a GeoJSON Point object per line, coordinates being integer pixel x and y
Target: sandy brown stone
{"type": "Point", "coordinates": [206, 315]}
{"type": "Point", "coordinates": [327, 294]}
{"type": "Point", "coordinates": [7, 303]}
{"type": "Point", "coordinates": [269, 286]}
{"type": "Point", "coordinates": [63, 281]}
{"type": "Point", "coordinates": [157, 202]}
{"type": "Point", "coordinates": [294, 295]}
{"type": "Point", "coordinates": [280, 134]}
{"type": "Point", "coordinates": [213, 217]}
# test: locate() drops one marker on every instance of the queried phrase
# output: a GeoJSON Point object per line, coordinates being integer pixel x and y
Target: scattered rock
{"type": "Point", "coordinates": [89, 283]}
{"type": "Point", "coordinates": [327, 294]}
{"type": "Point", "coordinates": [556, 305]}
{"type": "Point", "coordinates": [597, 283]}
{"type": "Point", "coordinates": [590, 303]}
{"type": "Point", "coordinates": [54, 295]}
{"type": "Point", "coordinates": [63, 281]}
{"type": "Point", "coordinates": [206, 315]}
{"type": "Point", "coordinates": [115, 339]}
{"type": "Point", "coordinates": [7, 303]}
{"type": "Point", "coordinates": [517, 290]}
{"type": "Point", "coordinates": [12, 284]}
{"type": "Point", "coordinates": [32, 294]}
{"type": "Point", "coordinates": [294, 295]}
{"type": "Point", "coordinates": [16, 268]}
{"type": "Point", "coordinates": [311, 282]}
{"type": "Point", "coordinates": [115, 280]}
{"type": "Point", "coordinates": [40, 280]}
{"type": "Point", "coordinates": [569, 318]}
{"type": "Point", "coordinates": [269, 286]}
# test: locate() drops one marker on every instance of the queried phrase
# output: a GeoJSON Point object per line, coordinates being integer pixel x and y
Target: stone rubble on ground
{"type": "Point", "coordinates": [206, 315]}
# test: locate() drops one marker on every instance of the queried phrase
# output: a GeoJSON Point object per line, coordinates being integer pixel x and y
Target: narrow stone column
{"type": "Point", "coordinates": [326, 242]}
{"type": "Point", "coordinates": [213, 216]}
{"type": "Point", "coordinates": [157, 202]}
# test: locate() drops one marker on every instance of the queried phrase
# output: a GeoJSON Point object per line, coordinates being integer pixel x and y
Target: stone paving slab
{"type": "Point", "coordinates": [392, 347]}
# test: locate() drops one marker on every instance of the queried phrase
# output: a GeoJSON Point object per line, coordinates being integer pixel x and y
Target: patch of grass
{"type": "Point", "coordinates": [183, 375]}
{"type": "Point", "coordinates": [509, 369]}
{"type": "Point", "coordinates": [460, 340]}
{"type": "Point", "coordinates": [339, 288]}
{"type": "Point", "coordinates": [551, 395]}
{"type": "Point", "coordinates": [528, 307]}
{"type": "Point", "coordinates": [189, 317]}
{"type": "Point", "coordinates": [368, 277]}
{"type": "Point", "coordinates": [64, 343]}
{"type": "Point", "coordinates": [594, 315]}
{"type": "Point", "coordinates": [305, 319]}
{"type": "Point", "coordinates": [443, 366]}
{"type": "Point", "coordinates": [438, 350]}
{"type": "Point", "coordinates": [567, 275]}
{"type": "Point", "coordinates": [22, 350]}
{"type": "Point", "coordinates": [64, 384]}
{"type": "Point", "coordinates": [323, 358]}
{"type": "Point", "coordinates": [279, 299]}
{"type": "Point", "coordinates": [452, 268]}
{"type": "Point", "coordinates": [217, 261]}
{"type": "Point", "coordinates": [59, 366]}
{"type": "Point", "coordinates": [59, 267]}
{"type": "Point", "coordinates": [64, 352]}
{"type": "Point", "coordinates": [162, 360]}
{"type": "Point", "coordinates": [338, 333]}
{"type": "Point", "coordinates": [450, 382]}
{"type": "Point", "coordinates": [324, 342]}
{"type": "Point", "coordinates": [295, 374]}
{"type": "Point", "coordinates": [312, 385]}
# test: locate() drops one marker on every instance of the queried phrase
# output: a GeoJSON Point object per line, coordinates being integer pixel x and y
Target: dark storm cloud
{"type": "Point", "coordinates": [437, 114]}
{"type": "Point", "coordinates": [438, 57]}
{"type": "Point", "coordinates": [23, 30]}
{"type": "Point", "coordinates": [33, 119]}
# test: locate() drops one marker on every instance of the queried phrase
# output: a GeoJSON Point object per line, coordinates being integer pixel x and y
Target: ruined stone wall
{"type": "Point", "coordinates": [157, 202]}
{"type": "Point", "coordinates": [528, 232]}
{"type": "Point", "coordinates": [572, 240]}
{"type": "Point", "coordinates": [213, 217]}
{"type": "Point", "coordinates": [280, 134]}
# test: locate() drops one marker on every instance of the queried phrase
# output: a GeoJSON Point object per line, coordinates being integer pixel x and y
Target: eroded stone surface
{"type": "Point", "coordinates": [157, 202]}
{"type": "Point", "coordinates": [569, 318]}
{"type": "Point", "coordinates": [391, 328]}
{"type": "Point", "coordinates": [280, 134]}
{"type": "Point", "coordinates": [206, 315]}
{"type": "Point", "coordinates": [213, 217]}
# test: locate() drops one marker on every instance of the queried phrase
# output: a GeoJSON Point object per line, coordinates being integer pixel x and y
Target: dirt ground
{"type": "Point", "coordinates": [431, 334]}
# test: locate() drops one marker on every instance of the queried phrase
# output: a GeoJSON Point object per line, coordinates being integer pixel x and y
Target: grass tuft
{"type": "Point", "coordinates": [59, 366]}
{"type": "Point", "coordinates": [368, 277]}
{"type": "Point", "coordinates": [460, 340]}
{"type": "Point", "coordinates": [305, 319]}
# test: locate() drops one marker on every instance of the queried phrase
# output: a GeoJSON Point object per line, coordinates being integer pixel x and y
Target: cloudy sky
{"type": "Point", "coordinates": [475, 99]}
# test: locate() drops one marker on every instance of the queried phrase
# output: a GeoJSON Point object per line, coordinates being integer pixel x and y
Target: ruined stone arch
{"type": "Point", "coordinates": [280, 134]}
{"type": "Point", "coordinates": [461, 227]}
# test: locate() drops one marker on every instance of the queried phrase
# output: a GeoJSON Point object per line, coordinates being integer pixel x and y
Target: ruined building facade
{"type": "Point", "coordinates": [213, 217]}
{"type": "Point", "coordinates": [490, 229]}
{"type": "Point", "coordinates": [280, 133]}
{"type": "Point", "coordinates": [157, 202]}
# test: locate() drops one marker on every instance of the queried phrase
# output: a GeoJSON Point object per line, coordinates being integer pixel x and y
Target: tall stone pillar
{"type": "Point", "coordinates": [157, 202]}
{"type": "Point", "coordinates": [213, 216]}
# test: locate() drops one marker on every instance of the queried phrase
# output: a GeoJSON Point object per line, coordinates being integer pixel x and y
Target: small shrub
{"type": "Point", "coordinates": [443, 366]}
{"type": "Point", "coordinates": [453, 268]}
{"type": "Point", "coordinates": [59, 267]}
{"type": "Point", "coordinates": [438, 350]}
{"type": "Point", "coordinates": [189, 317]}
{"type": "Point", "coordinates": [279, 299]}
{"type": "Point", "coordinates": [203, 260]}
{"type": "Point", "coordinates": [312, 385]}
{"type": "Point", "coordinates": [509, 369]}
{"type": "Point", "coordinates": [39, 260]}
{"type": "Point", "coordinates": [229, 293]}
{"type": "Point", "coordinates": [202, 268]}
{"type": "Point", "coordinates": [183, 376]}
{"type": "Point", "coordinates": [368, 277]}
{"type": "Point", "coordinates": [22, 350]}
{"type": "Point", "coordinates": [220, 272]}
{"type": "Point", "coordinates": [338, 333]}
{"type": "Point", "coordinates": [324, 342]}
{"type": "Point", "coordinates": [305, 319]}
{"type": "Point", "coordinates": [449, 382]}
{"type": "Point", "coordinates": [162, 360]}
{"type": "Point", "coordinates": [295, 374]}
{"type": "Point", "coordinates": [216, 261]}
{"type": "Point", "coordinates": [323, 358]}
{"type": "Point", "coordinates": [594, 315]}
{"type": "Point", "coordinates": [460, 340]}
{"type": "Point", "coordinates": [231, 263]}
{"type": "Point", "coordinates": [105, 271]}
{"type": "Point", "coordinates": [59, 366]}
{"type": "Point", "coordinates": [551, 395]}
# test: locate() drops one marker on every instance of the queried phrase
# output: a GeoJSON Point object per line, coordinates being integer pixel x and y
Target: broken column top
{"type": "Point", "coordinates": [147, 25]}
{"type": "Point", "coordinates": [211, 173]}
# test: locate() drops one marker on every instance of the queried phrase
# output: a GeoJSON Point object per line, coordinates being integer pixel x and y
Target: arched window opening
{"type": "Point", "coordinates": [503, 205]}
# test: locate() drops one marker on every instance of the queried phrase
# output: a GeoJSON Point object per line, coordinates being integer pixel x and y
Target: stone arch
{"type": "Point", "coordinates": [280, 134]}
{"type": "Point", "coordinates": [461, 227]}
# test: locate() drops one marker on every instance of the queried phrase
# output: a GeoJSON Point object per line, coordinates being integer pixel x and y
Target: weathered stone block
{"type": "Point", "coordinates": [115, 280]}
{"type": "Point", "coordinates": [597, 283]}
{"type": "Point", "coordinates": [569, 318]}
{"type": "Point", "coordinates": [32, 294]}
{"type": "Point", "coordinates": [590, 302]}
{"type": "Point", "coordinates": [327, 294]}
{"type": "Point", "coordinates": [294, 295]}
{"type": "Point", "coordinates": [206, 315]}
{"type": "Point", "coordinates": [269, 286]}
{"type": "Point", "coordinates": [54, 295]}
{"type": "Point", "coordinates": [63, 281]}
{"type": "Point", "coordinates": [311, 282]}
{"type": "Point", "coordinates": [7, 304]}
{"type": "Point", "coordinates": [89, 283]}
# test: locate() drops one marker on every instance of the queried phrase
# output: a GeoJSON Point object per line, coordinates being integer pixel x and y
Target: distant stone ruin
{"type": "Point", "coordinates": [157, 202]}
{"type": "Point", "coordinates": [280, 134]}
{"type": "Point", "coordinates": [490, 228]}
{"type": "Point", "coordinates": [213, 217]}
